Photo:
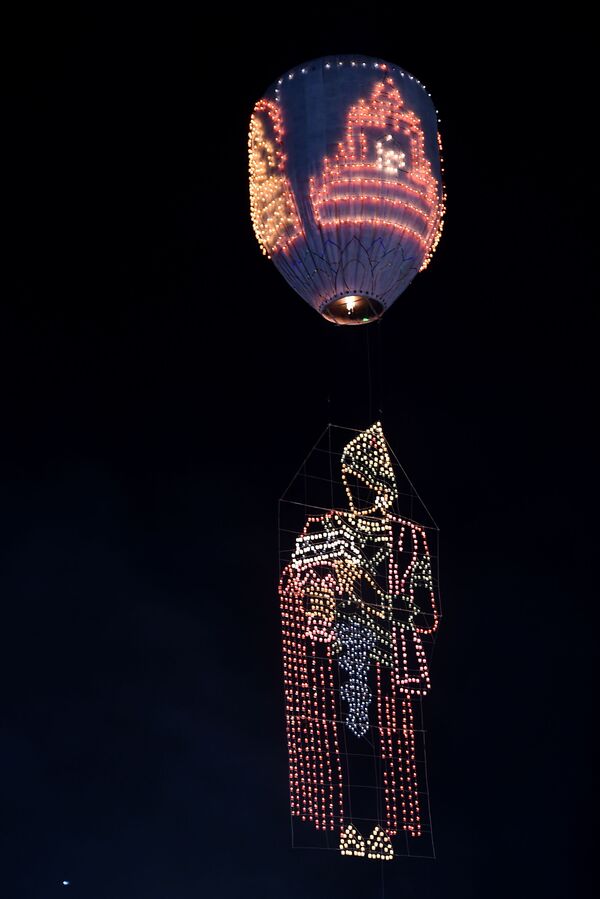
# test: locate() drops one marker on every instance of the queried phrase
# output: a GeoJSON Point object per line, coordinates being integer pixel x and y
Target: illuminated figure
{"type": "Point", "coordinates": [356, 599]}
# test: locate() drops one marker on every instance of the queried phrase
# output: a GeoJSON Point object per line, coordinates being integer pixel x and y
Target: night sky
{"type": "Point", "coordinates": [161, 385]}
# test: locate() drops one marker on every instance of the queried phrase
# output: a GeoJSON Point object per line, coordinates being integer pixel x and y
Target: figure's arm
{"type": "Point", "coordinates": [416, 586]}
{"type": "Point", "coordinates": [321, 573]}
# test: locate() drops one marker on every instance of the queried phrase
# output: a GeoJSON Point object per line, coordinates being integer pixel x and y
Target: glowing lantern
{"type": "Point", "coordinates": [346, 193]}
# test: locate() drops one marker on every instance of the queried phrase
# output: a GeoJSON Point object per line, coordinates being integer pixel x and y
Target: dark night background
{"type": "Point", "coordinates": [161, 384]}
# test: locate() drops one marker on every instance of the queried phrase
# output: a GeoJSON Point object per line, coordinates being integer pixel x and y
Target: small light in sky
{"type": "Point", "coordinates": [66, 883]}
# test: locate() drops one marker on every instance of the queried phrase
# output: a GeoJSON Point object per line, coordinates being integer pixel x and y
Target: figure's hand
{"type": "Point", "coordinates": [322, 585]}
{"type": "Point", "coordinates": [320, 613]}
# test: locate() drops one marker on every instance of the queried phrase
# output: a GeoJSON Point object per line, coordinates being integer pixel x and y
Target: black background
{"type": "Point", "coordinates": [161, 384]}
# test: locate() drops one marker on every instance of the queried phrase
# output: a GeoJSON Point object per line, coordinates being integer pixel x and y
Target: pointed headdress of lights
{"type": "Point", "coordinates": [366, 457]}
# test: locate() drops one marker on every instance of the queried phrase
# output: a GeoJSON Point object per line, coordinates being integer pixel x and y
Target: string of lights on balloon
{"type": "Point", "coordinates": [272, 206]}
{"type": "Point", "coordinates": [360, 155]}
{"type": "Point", "coordinates": [402, 208]}
{"type": "Point", "coordinates": [357, 598]}
{"type": "Point", "coordinates": [274, 216]}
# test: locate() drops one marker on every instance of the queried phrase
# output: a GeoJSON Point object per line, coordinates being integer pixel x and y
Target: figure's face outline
{"type": "Point", "coordinates": [367, 469]}
{"type": "Point", "coordinates": [381, 502]}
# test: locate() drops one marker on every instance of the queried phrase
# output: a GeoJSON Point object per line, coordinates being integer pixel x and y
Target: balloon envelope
{"type": "Point", "coordinates": [346, 191]}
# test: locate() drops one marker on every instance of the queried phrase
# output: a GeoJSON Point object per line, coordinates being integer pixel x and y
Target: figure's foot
{"type": "Point", "coordinates": [379, 845]}
{"type": "Point", "coordinates": [351, 842]}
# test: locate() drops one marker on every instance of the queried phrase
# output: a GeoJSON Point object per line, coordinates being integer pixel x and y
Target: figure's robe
{"type": "Point", "coordinates": [364, 572]}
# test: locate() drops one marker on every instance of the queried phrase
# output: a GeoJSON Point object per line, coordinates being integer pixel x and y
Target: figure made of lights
{"type": "Point", "coordinates": [356, 599]}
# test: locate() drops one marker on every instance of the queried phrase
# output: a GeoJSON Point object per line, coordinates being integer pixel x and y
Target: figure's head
{"type": "Point", "coordinates": [367, 472]}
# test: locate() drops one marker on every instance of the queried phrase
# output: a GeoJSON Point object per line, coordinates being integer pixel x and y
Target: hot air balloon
{"type": "Point", "coordinates": [346, 192]}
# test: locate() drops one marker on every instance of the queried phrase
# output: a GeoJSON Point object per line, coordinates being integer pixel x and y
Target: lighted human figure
{"type": "Point", "coordinates": [356, 599]}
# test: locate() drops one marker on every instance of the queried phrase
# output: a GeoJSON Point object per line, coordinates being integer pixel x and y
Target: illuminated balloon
{"type": "Point", "coordinates": [346, 192]}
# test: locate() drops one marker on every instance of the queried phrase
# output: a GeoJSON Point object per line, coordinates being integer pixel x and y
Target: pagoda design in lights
{"type": "Point", "coordinates": [358, 607]}
{"type": "Point", "coordinates": [381, 174]}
